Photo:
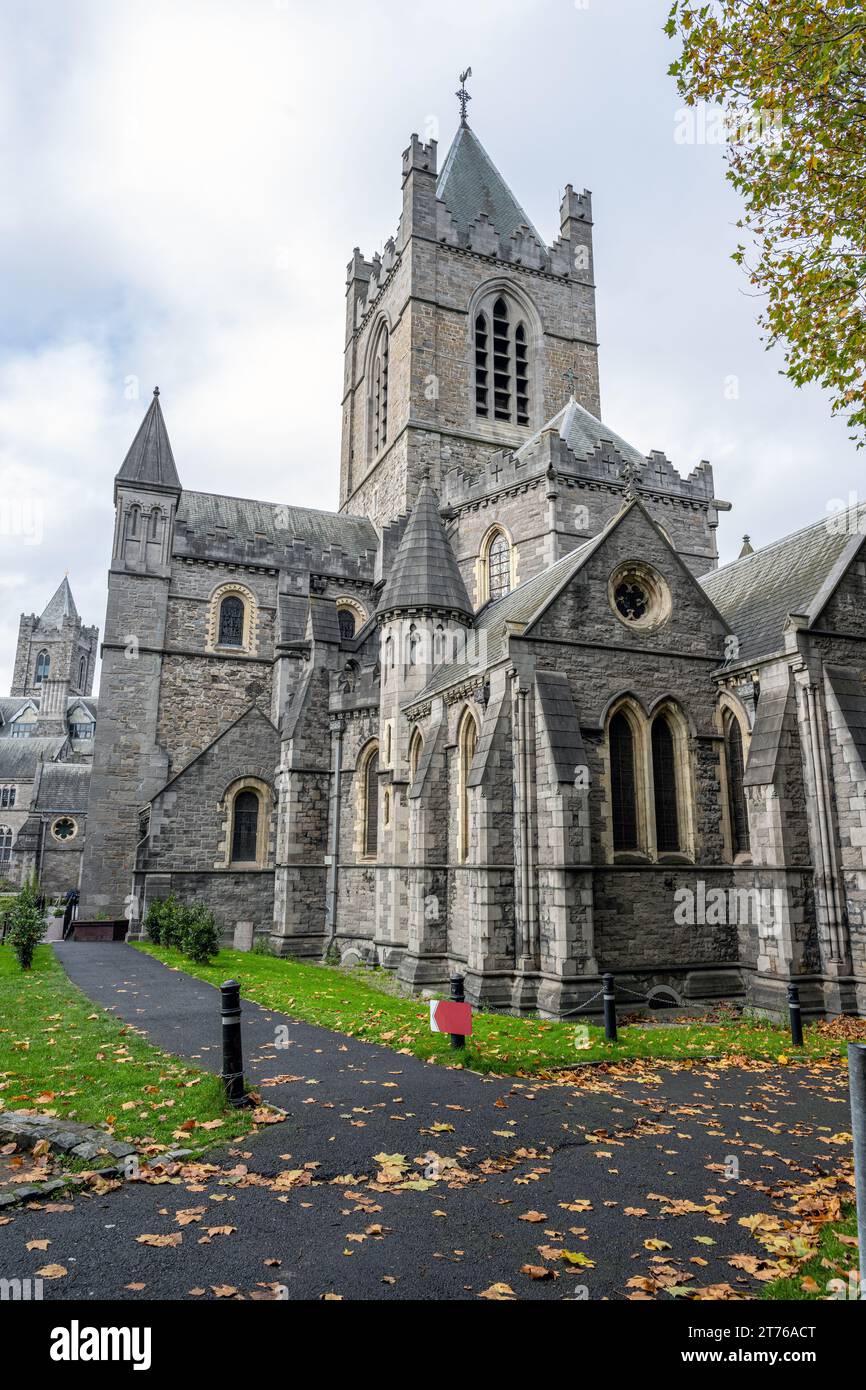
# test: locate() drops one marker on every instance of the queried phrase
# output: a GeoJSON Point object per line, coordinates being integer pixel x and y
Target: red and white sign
{"type": "Point", "coordinates": [448, 1017]}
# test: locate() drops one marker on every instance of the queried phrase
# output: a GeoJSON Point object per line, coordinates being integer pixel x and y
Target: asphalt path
{"type": "Point", "coordinates": [505, 1172]}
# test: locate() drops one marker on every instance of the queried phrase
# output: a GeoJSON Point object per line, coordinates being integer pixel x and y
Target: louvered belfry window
{"type": "Point", "coordinates": [736, 792]}
{"type": "Point", "coordinates": [246, 828]}
{"type": "Point", "coordinates": [231, 622]}
{"type": "Point", "coordinates": [380, 392]}
{"type": "Point", "coordinates": [482, 382]}
{"type": "Point", "coordinates": [501, 363]}
{"type": "Point", "coordinates": [622, 780]}
{"type": "Point", "coordinates": [371, 806]}
{"type": "Point", "coordinates": [665, 788]}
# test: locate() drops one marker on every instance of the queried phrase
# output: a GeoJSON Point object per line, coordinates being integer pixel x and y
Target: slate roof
{"type": "Point", "coordinates": [470, 184]}
{"type": "Point", "coordinates": [797, 574]}
{"type": "Point", "coordinates": [583, 432]}
{"type": "Point", "coordinates": [63, 787]}
{"type": "Point", "coordinates": [20, 757]}
{"type": "Point", "coordinates": [487, 645]}
{"type": "Point", "coordinates": [150, 459]}
{"type": "Point", "coordinates": [60, 606]}
{"type": "Point", "coordinates": [424, 572]}
{"type": "Point", "coordinates": [203, 514]}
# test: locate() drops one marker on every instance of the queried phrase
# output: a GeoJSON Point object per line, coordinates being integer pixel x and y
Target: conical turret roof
{"type": "Point", "coordinates": [425, 573]}
{"type": "Point", "coordinates": [61, 605]}
{"type": "Point", "coordinates": [150, 459]}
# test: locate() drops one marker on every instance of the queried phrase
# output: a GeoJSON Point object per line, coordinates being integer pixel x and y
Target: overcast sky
{"type": "Point", "coordinates": [183, 183]}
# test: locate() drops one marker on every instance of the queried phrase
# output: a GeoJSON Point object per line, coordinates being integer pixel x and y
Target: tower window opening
{"type": "Point", "coordinates": [501, 362]}
{"type": "Point", "coordinates": [481, 367]}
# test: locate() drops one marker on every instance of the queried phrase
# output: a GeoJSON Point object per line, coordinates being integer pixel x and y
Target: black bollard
{"type": "Point", "coordinates": [233, 1061]}
{"type": "Point", "coordinates": [609, 1001]}
{"type": "Point", "coordinates": [795, 1016]}
{"type": "Point", "coordinates": [457, 997]}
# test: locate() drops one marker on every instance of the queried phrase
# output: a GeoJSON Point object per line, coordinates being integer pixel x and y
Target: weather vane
{"type": "Point", "coordinates": [463, 96]}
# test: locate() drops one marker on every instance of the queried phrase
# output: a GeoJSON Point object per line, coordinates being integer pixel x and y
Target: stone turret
{"type": "Point", "coordinates": [55, 645]}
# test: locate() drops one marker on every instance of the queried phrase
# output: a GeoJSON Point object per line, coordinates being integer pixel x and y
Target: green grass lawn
{"type": "Point", "coordinates": [358, 1003]}
{"type": "Point", "coordinates": [60, 1054]}
{"type": "Point", "coordinates": [813, 1280]}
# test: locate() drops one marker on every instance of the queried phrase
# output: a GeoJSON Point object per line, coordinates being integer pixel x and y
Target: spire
{"type": "Point", "coordinates": [425, 573]}
{"type": "Point", "coordinates": [747, 548]}
{"type": "Point", "coordinates": [470, 184]}
{"type": "Point", "coordinates": [150, 460]}
{"type": "Point", "coordinates": [60, 606]}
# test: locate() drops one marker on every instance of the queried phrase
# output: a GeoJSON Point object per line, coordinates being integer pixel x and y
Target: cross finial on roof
{"type": "Point", "coordinates": [571, 377]}
{"type": "Point", "coordinates": [463, 96]}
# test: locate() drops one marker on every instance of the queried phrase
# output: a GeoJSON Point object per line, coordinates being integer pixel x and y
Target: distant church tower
{"type": "Point", "coordinates": [466, 336]}
{"type": "Point", "coordinates": [55, 648]}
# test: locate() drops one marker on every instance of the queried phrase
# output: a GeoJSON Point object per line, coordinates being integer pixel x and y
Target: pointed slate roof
{"type": "Point", "coordinates": [425, 573]}
{"type": "Point", "coordinates": [796, 574]}
{"type": "Point", "coordinates": [583, 432]}
{"type": "Point", "coordinates": [61, 606]}
{"type": "Point", "coordinates": [471, 184]}
{"type": "Point", "coordinates": [150, 459]}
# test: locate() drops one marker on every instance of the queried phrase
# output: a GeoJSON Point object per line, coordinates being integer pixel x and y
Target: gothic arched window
{"type": "Point", "coordinates": [43, 666]}
{"type": "Point", "coordinates": [736, 791]}
{"type": "Point", "coordinates": [623, 783]}
{"type": "Point", "coordinates": [498, 567]}
{"type": "Point", "coordinates": [667, 818]}
{"type": "Point", "coordinates": [371, 804]}
{"type": "Point", "coordinates": [467, 743]}
{"type": "Point", "coordinates": [245, 828]}
{"type": "Point", "coordinates": [379, 392]}
{"type": "Point", "coordinates": [501, 362]}
{"type": "Point", "coordinates": [82, 673]}
{"type": "Point", "coordinates": [231, 630]}
{"type": "Point", "coordinates": [346, 619]}
{"type": "Point", "coordinates": [416, 747]}
{"type": "Point", "coordinates": [5, 846]}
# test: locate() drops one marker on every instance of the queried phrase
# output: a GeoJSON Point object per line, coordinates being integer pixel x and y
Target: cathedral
{"type": "Point", "coordinates": [501, 712]}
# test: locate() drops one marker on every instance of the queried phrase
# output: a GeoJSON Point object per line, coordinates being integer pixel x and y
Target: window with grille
{"type": "Point", "coordinates": [7, 796]}
{"type": "Point", "coordinates": [371, 805]}
{"type": "Point", "coordinates": [499, 567]}
{"type": "Point", "coordinates": [346, 619]}
{"type": "Point", "coordinates": [665, 788]}
{"type": "Point", "coordinates": [502, 368]}
{"type": "Point", "coordinates": [245, 832]}
{"type": "Point", "coordinates": [43, 666]}
{"type": "Point", "coordinates": [380, 392]}
{"type": "Point", "coordinates": [736, 791]}
{"type": "Point", "coordinates": [5, 846]}
{"type": "Point", "coordinates": [231, 632]}
{"type": "Point", "coordinates": [623, 784]}
{"type": "Point", "coordinates": [20, 730]}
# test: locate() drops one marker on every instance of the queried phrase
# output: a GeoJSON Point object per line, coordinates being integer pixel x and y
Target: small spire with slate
{"type": "Point", "coordinates": [425, 573]}
{"type": "Point", "coordinates": [150, 461]}
{"type": "Point", "coordinates": [747, 548]}
{"type": "Point", "coordinates": [61, 605]}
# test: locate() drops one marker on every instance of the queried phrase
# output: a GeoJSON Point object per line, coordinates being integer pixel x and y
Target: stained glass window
{"type": "Point", "coordinates": [245, 833]}
{"type": "Point", "coordinates": [622, 782]}
{"type": "Point", "coordinates": [499, 567]}
{"type": "Point", "coordinates": [736, 793]}
{"type": "Point", "coordinates": [371, 805]}
{"type": "Point", "coordinates": [665, 788]}
{"type": "Point", "coordinates": [231, 622]}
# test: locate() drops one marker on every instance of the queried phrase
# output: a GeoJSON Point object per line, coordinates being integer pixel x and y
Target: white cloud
{"type": "Point", "coordinates": [189, 181]}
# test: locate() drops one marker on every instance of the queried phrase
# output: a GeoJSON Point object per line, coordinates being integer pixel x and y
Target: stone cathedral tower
{"type": "Point", "coordinates": [437, 376]}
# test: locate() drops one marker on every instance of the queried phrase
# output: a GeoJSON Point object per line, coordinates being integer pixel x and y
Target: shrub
{"type": "Point", "coordinates": [160, 921]}
{"type": "Point", "coordinates": [199, 937]}
{"type": "Point", "coordinates": [26, 924]}
{"type": "Point", "coordinates": [188, 928]}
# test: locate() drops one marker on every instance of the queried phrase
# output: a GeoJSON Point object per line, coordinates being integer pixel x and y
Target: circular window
{"type": "Point", "coordinates": [64, 828]}
{"type": "Point", "coordinates": [639, 596]}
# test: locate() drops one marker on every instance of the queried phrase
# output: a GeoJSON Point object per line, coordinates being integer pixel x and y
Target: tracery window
{"type": "Point", "coordinates": [371, 804]}
{"type": "Point", "coordinates": [665, 787]}
{"type": "Point", "coordinates": [379, 391]}
{"type": "Point", "coordinates": [499, 567]}
{"type": "Point", "coordinates": [43, 666]}
{"type": "Point", "coordinates": [623, 783]}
